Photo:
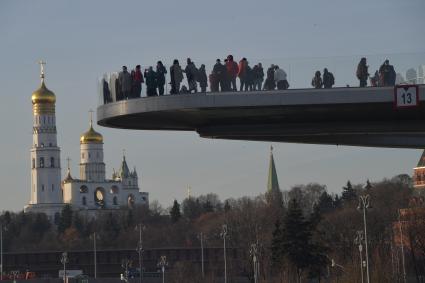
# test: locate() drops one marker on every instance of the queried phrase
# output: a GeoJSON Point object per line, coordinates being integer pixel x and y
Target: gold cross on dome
{"type": "Point", "coordinates": [91, 116]}
{"type": "Point", "coordinates": [68, 160]}
{"type": "Point", "coordinates": [41, 63]}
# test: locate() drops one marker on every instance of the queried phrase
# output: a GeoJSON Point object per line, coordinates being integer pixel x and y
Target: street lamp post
{"type": "Point", "coordinates": [64, 261]}
{"type": "Point", "coordinates": [201, 238]}
{"type": "Point", "coordinates": [402, 247]}
{"type": "Point", "coordinates": [358, 241]}
{"type": "Point", "coordinates": [140, 250]}
{"type": "Point", "coordinates": [95, 237]}
{"type": "Point", "coordinates": [254, 254]}
{"type": "Point", "coordinates": [224, 235]}
{"type": "Point", "coordinates": [163, 263]}
{"type": "Point", "coordinates": [364, 204]}
{"type": "Point", "coordinates": [125, 263]}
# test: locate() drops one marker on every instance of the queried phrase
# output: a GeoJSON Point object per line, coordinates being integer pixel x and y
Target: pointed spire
{"type": "Point", "coordinates": [272, 182]}
{"type": "Point", "coordinates": [68, 177]}
{"type": "Point", "coordinates": [124, 171]}
{"type": "Point", "coordinates": [421, 162]}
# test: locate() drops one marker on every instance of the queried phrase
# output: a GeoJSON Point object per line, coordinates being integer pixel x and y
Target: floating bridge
{"type": "Point", "coordinates": [373, 116]}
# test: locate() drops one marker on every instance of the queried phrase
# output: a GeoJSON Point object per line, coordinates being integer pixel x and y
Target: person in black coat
{"type": "Point", "coordinates": [202, 78]}
{"type": "Point", "coordinates": [151, 82]}
{"type": "Point", "coordinates": [160, 77]}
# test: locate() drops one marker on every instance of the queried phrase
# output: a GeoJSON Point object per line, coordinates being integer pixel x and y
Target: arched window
{"type": "Point", "coordinates": [114, 190]}
{"type": "Point", "coordinates": [130, 201]}
{"type": "Point", "coordinates": [42, 188]}
{"type": "Point", "coordinates": [115, 201]}
{"type": "Point", "coordinates": [84, 201]}
{"type": "Point", "coordinates": [82, 155]}
{"type": "Point", "coordinates": [84, 189]}
{"type": "Point", "coordinates": [52, 162]}
{"type": "Point", "coordinates": [33, 163]}
{"type": "Point", "coordinates": [53, 187]}
{"type": "Point", "coordinates": [99, 196]}
{"type": "Point", "coordinates": [41, 162]}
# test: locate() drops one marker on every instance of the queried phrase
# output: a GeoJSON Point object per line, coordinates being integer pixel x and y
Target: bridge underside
{"type": "Point", "coordinates": [345, 116]}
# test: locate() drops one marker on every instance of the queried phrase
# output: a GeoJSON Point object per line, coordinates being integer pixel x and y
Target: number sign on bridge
{"type": "Point", "coordinates": [406, 96]}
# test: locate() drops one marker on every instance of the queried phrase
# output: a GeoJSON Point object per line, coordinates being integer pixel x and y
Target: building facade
{"type": "Point", "coordinates": [92, 191]}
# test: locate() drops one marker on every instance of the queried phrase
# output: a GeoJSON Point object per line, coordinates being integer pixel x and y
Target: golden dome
{"type": "Point", "coordinates": [91, 136]}
{"type": "Point", "coordinates": [43, 95]}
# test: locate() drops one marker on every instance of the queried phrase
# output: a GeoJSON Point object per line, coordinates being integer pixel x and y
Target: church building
{"type": "Point", "coordinates": [92, 191]}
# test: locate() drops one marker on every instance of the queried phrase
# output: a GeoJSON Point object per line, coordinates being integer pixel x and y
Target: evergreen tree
{"type": "Point", "coordinates": [325, 203]}
{"type": "Point", "coordinates": [207, 207]}
{"type": "Point", "coordinates": [78, 224]}
{"type": "Point", "coordinates": [276, 247]}
{"type": "Point", "coordinates": [227, 206]}
{"type": "Point", "coordinates": [348, 193]}
{"type": "Point", "coordinates": [175, 212]}
{"type": "Point", "coordinates": [368, 186]}
{"type": "Point", "coordinates": [65, 219]}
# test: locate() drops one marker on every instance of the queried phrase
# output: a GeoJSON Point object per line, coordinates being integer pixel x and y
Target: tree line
{"type": "Point", "coordinates": [304, 234]}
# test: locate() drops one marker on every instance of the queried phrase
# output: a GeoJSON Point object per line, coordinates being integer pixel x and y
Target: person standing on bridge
{"type": "Point", "coordinates": [243, 74]}
{"type": "Point", "coordinates": [220, 75]}
{"type": "Point", "coordinates": [317, 80]}
{"type": "Point", "coordinates": [232, 72]}
{"type": "Point", "coordinates": [202, 78]}
{"type": "Point", "coordinates": [137, 77]}
{"type": "Point", "coordinates": [387, 74]}
{"type": "Point", "coordinates": [176, 75]}
{"type": "Point", "coordinates": [362, 72]}
{"type": "Point", "coordinates": [191, 74]}
{"type": "Point", "coordinates": [269, 84]}
{"type": "Point", "coordinates": [258, 76]}
{"type": "Point", "coordinates": [280, 78]}
{"type": "Point", "coordinates": [328, 79]}
{"type": "Point", "coordinates": [126, 82]}
{"type": "Point", "coordinates": [160, 75]}
{"type": "Point", "coordinates": [151, 82]}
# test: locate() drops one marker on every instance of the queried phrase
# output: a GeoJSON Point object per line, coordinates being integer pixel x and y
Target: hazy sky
{"type": "Point", "coordinates": [82, 39]}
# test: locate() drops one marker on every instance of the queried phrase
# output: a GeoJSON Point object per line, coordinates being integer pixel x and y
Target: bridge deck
{"type": "Point", "coordinates": [349, 116]}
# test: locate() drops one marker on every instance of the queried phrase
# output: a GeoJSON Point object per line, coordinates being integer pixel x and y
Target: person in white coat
{"type": "Point", "coordinates": [280, 78]}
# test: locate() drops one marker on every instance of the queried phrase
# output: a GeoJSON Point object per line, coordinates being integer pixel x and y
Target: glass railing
{"type": "Point", "coordinates": [409, 68]}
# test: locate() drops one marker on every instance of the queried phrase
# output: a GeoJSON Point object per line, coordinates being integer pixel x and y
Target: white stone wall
{"type": "Point", "coordinates": [92, 167]}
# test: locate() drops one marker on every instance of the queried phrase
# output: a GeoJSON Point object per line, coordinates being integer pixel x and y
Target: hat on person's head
{"type": "Point", "coordinates": [218, 60]}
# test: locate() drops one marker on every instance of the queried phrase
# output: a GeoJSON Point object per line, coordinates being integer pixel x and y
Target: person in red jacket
{"type": "Point", "coordinates": [243, 74]}
{"type": "Point", "coordinates": [232, 71]}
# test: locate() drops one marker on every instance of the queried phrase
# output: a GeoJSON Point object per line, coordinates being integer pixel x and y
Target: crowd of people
{"type": "Point", "coordinates": [223, 78]}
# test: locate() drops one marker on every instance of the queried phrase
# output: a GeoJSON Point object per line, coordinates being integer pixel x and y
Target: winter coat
{"type": "Point", "coordinates": [151, 79]}
{"type": "Point", "coordinates": [125, 80]}
{"type": "Point", "coordinates": [279, 75]}
{"type": "Point", "coordinates": [232, 69]}
{"type": "Point", "coordinates": [242, 68]}
{"type": "Point", "coordinates": [191, 72]}
{"type": "Point", "coordinates": [160, 74]}
{"type": "Point", "coordinates": [362, 71]}
{"type": "Point", "coordinates": [219, 71]}
{"type": "Point", "coordinates": [176, 73]}
{"type": "Point", "coordinates": [202, 78]}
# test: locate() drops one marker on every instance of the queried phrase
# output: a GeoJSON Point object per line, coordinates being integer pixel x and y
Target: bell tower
{"type": "Point", "coordinates": [45, 153]}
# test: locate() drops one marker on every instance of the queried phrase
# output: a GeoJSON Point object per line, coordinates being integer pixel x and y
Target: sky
{"type": "Point", "coordinates": [80, 40]}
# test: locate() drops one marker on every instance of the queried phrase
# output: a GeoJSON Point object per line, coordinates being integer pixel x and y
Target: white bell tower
{"type": "Point", "coordinates": [45, 153]}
